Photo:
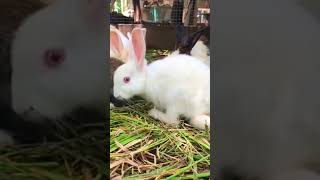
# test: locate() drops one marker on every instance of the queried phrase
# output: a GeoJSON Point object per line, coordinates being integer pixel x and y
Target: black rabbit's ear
{"type": "Point", "coordinates": [184, 46]}
{"type": "Point", "coordinates": [205, 37]}
{"type": "Point", "coordinates": [194, 39]}
{"type": "Point", "coordinates": [188, 42]}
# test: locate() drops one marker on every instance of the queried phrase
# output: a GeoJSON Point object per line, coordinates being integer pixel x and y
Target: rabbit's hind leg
{"type": "Point", "coordinates": [170, 117]}
{"type": "Point", "coordinates": [200, 121]}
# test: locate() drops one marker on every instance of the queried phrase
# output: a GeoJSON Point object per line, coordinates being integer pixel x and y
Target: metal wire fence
{"type": "Point", "coordinates": [161, 12]}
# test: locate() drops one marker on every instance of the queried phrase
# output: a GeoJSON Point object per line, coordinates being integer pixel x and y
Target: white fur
{"type": "Point", "coordinates": [80, 80]}
{"type": "Point", "coordinates": [177, 85]}
{"type": "Point", "coordinates": [123, 56]}
{"type": "Point", "coordinates": [176, 52]}
{"type": "Point", "coordinates": [201, 51]}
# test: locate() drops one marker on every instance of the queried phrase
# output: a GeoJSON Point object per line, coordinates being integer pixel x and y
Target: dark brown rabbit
{"type": "Point", "coordinates": [114, 64]}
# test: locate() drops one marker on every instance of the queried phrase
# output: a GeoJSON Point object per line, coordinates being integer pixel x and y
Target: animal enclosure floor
{"type": "Point", "coordinates": [80, 158]}
{"type": "Point", "coordinates": [143, 148]}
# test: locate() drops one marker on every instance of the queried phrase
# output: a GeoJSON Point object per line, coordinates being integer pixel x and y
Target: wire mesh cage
{"type": "Point", "coordinates": [161, 12]}
{"type": "Point", "coordinates": [168, 21]}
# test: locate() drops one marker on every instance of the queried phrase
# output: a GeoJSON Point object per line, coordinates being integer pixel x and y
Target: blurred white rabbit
{"type": "Point", "coordinates": [58, 60]}
{"type": "Point", "coordinates": [177, 85]}
{"type": "Point", "coordinates": [266, 95]}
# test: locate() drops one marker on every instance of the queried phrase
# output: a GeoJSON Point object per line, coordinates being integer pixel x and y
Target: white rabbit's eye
{"type": "Point", "coordinates": [54, 57]}
{"type": "Point", "coordinates": [126, 79]}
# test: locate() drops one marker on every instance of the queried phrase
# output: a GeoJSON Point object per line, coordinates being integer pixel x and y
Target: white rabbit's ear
{"type": "Point", "coordinates": [139, 46]}
{"type": "Point", "coordinates": [129, 35]}
{"type": "Point", "coordinates": [112, 27]}
{"type": "Point", "coordinates": [115, 43]}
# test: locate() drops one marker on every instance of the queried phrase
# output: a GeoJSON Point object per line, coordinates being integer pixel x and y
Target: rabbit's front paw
{"type": "Point", "coordinates": [156, 114]}
{"type": "Point", "coordinates": [200, 121]}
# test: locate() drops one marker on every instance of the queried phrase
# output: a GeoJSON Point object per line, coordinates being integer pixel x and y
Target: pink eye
{"type": "Point", "coordinates": [54, 57]}
{"type": "Point", "coordinates": [126, 79]}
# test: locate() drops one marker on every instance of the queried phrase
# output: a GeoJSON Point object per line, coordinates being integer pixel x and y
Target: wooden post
{"type": "Point", "coordinates": [112, 4]}
{"type": "Point", "coordinates": [190, 13]}
{"type": "Point", "coordinates": [137, 10]}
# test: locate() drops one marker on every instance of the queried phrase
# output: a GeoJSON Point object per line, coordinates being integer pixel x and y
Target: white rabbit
{"type": "Point", "coordinates": [119, 44]}
{"type": "Point", "coordinates": [178, 85]}
{"type": "Point", "coordinates": [58, 60]}
{"type": "Point", "coordinates": [119, 54]}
